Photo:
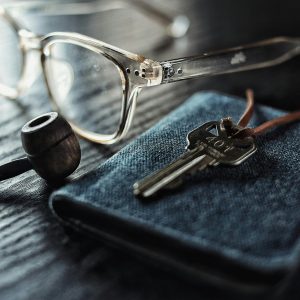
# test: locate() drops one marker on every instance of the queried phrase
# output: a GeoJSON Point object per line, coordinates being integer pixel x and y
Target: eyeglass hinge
{"type": "Point", "coordinates": [29, 40]}
{"type": "Point", "coordinates": [151, 71]}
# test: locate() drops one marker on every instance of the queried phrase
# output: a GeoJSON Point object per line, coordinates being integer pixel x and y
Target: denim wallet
{"type": "Point", "coordinates": [234, 226]}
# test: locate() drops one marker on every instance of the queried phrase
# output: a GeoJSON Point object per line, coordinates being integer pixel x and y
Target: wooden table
{"type": "Point", "coordinates": [39, 259]}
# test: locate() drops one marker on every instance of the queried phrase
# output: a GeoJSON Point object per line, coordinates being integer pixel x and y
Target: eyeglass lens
{"type": "Point", "coordinates": [10, 55]}
{"type": "Point", "coordinates": [86, 86]}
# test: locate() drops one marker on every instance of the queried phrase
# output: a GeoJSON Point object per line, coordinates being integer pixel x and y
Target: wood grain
{"type": "Point", "coordinates": [39, 259]}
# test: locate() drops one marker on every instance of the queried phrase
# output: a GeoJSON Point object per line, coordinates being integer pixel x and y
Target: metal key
{"type": "Point", "coordinates": [209, 145]}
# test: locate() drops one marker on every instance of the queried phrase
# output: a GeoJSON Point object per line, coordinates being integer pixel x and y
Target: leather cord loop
{"type": "Point", "coordinates": [246, 117]}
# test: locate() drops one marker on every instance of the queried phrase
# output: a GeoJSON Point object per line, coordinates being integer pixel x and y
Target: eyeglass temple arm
{"type": "Point", "coordinates": [249, 57]}
{"type": "Point", "coordinates": [176, 25]}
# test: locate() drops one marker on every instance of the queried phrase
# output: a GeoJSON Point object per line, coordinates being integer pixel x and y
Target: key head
{"type": "Point", "coordinates": [214, 140]}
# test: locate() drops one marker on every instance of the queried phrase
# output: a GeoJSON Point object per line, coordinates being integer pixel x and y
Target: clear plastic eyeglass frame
{"type": "Point", "coordinates": [138, 72]}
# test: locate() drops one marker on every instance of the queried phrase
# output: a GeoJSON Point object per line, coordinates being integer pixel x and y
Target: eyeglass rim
{"type": "Point", "coordinates": [7, 91]}
{"type": "Point", "coordinates": [123, 60]}
{"type": "Point", "coordinates": [90, 135]}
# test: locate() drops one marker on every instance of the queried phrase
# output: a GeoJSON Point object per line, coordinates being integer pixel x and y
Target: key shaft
{"type": "Point", "coordinates": [191, 160]}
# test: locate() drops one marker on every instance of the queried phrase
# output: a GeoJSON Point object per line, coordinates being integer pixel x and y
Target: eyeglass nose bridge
{"type": "Point", "coordinates": [31, 47]}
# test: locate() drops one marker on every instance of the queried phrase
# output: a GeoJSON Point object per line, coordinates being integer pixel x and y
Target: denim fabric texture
{"type": "Point", "coordinates": [248, 213]}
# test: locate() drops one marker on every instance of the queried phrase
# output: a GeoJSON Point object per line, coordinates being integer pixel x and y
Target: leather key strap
{"type": "Point", "coordinates": [247, 115]}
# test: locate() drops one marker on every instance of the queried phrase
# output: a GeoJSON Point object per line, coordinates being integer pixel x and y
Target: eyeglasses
{"type": "Point", "coordinates": [95, 85]}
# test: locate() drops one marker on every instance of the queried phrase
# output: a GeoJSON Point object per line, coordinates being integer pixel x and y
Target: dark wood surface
{"type": "Point", "coordinates": [39, 259]}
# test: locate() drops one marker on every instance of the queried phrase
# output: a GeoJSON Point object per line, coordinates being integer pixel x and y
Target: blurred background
{"type": "Point", "coordinates": [39, 259]}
